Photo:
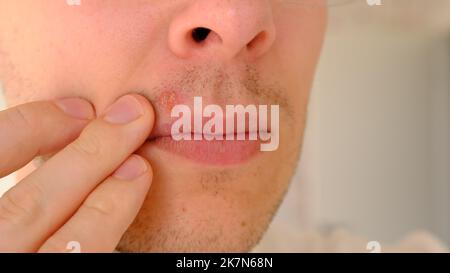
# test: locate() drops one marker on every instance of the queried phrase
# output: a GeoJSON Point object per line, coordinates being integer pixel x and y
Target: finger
{"type": "Point", "coordinates": [36, 207]}
{"type": "Point", "coordinates": [106, 214]}
{"type": "Point", "coordinates": [38, 128]}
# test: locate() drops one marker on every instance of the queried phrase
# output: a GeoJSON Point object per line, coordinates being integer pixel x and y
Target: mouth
{"type": "Point", "coordinates": [209, 149]}
{"type": "Point", "coordinates": [206, 147]}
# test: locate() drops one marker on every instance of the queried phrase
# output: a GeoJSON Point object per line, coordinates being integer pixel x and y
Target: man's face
{"type": "Point", "coordinates": [204, 196]}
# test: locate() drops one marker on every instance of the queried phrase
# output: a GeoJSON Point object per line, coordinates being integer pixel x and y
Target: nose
{"type": "Point", "coordinates": [222, 28]}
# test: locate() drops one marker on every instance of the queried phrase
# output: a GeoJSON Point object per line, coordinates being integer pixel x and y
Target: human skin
{"type": "Point", "coordinates": [258, 52]}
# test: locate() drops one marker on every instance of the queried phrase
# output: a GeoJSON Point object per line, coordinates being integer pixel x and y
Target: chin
{"type": "Point", "coordinates": [193, 207]}
{"type": "Point", "coordinates": [162, 236]}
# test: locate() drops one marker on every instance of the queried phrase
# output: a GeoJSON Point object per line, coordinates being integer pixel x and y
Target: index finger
{"type": "Point", "coordinates": [41, 203]}
{"type": "Point", "coordinates": [39, 128]}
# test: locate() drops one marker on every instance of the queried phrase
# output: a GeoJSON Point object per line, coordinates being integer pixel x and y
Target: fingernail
{"type": "Point", "coordinates": [124, 110]}
{"type": "Point", "coordinates": [134, 167]}
{"type": "Point", "coordinates": [76, 107]}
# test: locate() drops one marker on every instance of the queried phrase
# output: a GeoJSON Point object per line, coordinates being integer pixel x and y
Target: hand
{"type": "Point", "coordinates": [90, 190]}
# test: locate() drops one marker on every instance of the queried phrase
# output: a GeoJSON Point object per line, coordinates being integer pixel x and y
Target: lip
{"type": "Point", "coordinates": [208, 152]}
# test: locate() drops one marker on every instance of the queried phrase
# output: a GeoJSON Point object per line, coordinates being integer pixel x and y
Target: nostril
{"type": "Point", "coordinates": [200, 34]}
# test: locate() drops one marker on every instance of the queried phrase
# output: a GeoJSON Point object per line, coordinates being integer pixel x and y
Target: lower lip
{"type": "Point", "coordinates": [215, 152]}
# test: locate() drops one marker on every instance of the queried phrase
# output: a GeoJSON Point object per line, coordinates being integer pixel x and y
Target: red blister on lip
{"type": "Point", "coordinates": [167, 100]}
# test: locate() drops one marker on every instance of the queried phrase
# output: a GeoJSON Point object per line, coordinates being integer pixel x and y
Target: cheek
{"type": "Point", "coordinates": [85, 51]}
{"type": "Point", "coordinates": [300, 33]}
{"type": "Point", "coordinates": [102, 49]}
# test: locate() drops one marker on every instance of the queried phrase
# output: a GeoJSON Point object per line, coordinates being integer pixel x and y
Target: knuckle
{"type": "Point", "coordinates": [20, 116]}
{"type": "Point", "coordinates": [87, 145]}
{"type": "Point", "coordinates": [21, 204]}
{"type": "Point", "coordinates": [102, 207]}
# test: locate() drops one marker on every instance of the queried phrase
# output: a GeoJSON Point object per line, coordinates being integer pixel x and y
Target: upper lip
{"type": "Point", "coordinates": [163, 123]}
{"type": "Point", "coordinates": [164, 130]}
{"type": "Point", "coordinates": [160, 131]}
